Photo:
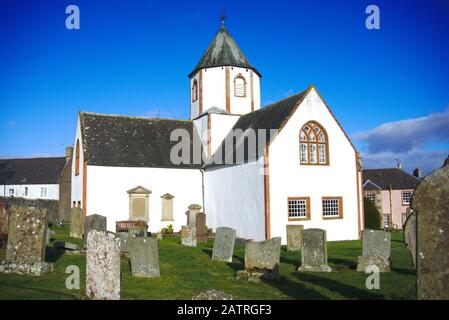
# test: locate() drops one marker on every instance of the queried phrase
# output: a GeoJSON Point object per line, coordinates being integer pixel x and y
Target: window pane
{"type": "Point", "coordinates": [239, 87]}
{"type": "Point", "coordinates": [312, 148]}
{"type": "Point", "coordinates": [406, 197]}
{"type": "Point", "coordinates": [331, 207]}
{"type": "Point", "coordinates": [302, 136]}
{"type": "Point", "coordinates": [297, 208]}
{"type": "Point", "coordinates": [312, 137]}
{"type": "Point", "coordinates": [322, 153]}
{"type": "Point", "coordinates": [321, 137]}
{"type": "Point", "coordinates": [303, 153]}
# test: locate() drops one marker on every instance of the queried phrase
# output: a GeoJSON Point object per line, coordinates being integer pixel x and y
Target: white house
{"type": "Point", "coordinates": [297, 165]}
{"type": "Point", "coordinates": [32, 178]}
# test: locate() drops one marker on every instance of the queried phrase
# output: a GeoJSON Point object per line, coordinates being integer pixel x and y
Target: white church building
{"type": "Point", "coordinates": [306, 172]}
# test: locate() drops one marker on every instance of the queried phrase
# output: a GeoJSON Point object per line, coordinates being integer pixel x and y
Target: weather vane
{"type": "Point", "coordinates": [223, 17]}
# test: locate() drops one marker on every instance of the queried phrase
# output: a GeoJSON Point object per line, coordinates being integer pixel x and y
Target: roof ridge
{"type": "Point", "coordinates": [33, 158]}
{"type": "Point", "coordinates": [130, 117]}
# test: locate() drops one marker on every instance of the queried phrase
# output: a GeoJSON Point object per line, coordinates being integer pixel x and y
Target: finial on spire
{"type": "Point", "coordinates": [223, 17]}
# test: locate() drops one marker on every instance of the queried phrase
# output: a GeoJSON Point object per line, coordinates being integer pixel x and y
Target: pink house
{"type": "Point", "coordinates": [390, 190]}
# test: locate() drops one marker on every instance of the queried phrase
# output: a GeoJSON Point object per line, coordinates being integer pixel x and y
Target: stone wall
{"type": "Point", "coordinates": [50, 205]}
{"type": "Point", "coordinates": [65, 189]}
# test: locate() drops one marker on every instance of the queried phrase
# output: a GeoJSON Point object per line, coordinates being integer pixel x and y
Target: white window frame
{"type": "Point", "coordinates": [44, 193]}
{"type": "Point", "coordinates": [371, 196]}
{"type": "Point", "coordinates": [406, 199]}
{"type": "Point", "coordinates": [332, 207]}
{"type": "Point", "coordinates": [298, 208]}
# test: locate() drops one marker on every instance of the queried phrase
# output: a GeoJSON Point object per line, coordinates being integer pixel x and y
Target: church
{"type": "Point", "coordinates": [297, 164]}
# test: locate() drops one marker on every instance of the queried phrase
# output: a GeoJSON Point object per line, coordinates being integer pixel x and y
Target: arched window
{"type": "Point", "coordinates": [313, 144]}
{"type": "Point", "coordinates": [77, 158]}
{"type": "Point", "coordinates": [239, 86]}
{"type": "Point", "coordinates": [194, 90]}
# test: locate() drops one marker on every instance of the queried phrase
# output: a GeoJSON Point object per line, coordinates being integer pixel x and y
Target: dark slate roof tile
{"type": "Point", "coordinates": [114, 140]}
{"type": "Point", "coordinates": [394, 177]}
{"type": "Point", "coordinates": [31, 171]}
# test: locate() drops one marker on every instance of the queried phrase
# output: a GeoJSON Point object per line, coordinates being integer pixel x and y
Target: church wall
{"type": "Point", "coordinates": [34, 191]}
{"type": "Point", "coordinates": [214, 93]}
{"type": "Point", "coordinates": [202, 129]}
{"type": "Point", "coordinates": [195, 105]}
{"type": "Point", "coordinates": [288, 178]}
{"type": "Point", "coordinates": [234, 197]}
{"type": "Point", "coordinates": [107, 193]}
{"type": "Point", "coordinates": [220, 126]}
{"type": "Point", "coordinates": [242, 105]}
{"type": "Point", "coordinates": [77, 181]}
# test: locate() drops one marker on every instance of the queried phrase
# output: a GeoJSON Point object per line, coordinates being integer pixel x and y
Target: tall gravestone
{"type": "Point", "coordinates": [25, 251]}
{"type": "Point", "coordinates": [94, 222]}
{"type": "Point", "coordinates": [193, 210]}
{"type": "Point", "coordinates": [200, 224]}
{"type": "Point", "coordinates": [224, 244]}
{"type": "Point", "coordinates": [188, 236]}
{"type": "Point", "coordinates": [294, 237]}
{"type": "Point", "coordinates": [261, 260]}
{"type": "Point", "coordinates": [314, 251]}
{"type": "Point", "coordinates": [144, 256]}
{"type": "Point", "coordinates": [410, 235]}
{"type": "Point", "coordinates": [76, 223]}
{"type": "Point", "coordinates": [124, 240]}
{"type": "Point", "coordinates": [102, 265]}
{"type": "Point", "coordinates": [431, 204]}
{"type": "Point", "coordinates": [376, 250]}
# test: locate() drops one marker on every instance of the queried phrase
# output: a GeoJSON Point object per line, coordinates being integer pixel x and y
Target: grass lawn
{"type": "Point", "coordinates": [187, 271]}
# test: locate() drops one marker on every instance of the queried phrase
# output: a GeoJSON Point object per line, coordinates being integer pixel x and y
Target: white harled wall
{"type": "Point", "coordinates": [288, 178]}
{"type": "Point", "coordinates": [107, 193]}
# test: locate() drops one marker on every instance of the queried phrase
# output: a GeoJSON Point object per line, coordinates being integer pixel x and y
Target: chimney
{"type": "Point", "coordinates": [417, 173]}
{"type": "Point", "coordinates": [68, 153]}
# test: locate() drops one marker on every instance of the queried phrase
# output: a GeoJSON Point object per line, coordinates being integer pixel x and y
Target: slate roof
{"type": "Point", "coordinates": [395, 177]}
{"type": "Point", "coordinates": [272, 116]}
{"type": "Point", "coordinates": [31, 171]}
{"type": "Point", "coordinates": [223, 51]}
{"type": "Point", "coordinates": [114, 140]}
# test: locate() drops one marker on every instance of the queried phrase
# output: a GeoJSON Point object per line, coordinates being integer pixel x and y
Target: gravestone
{"type": "Point", "coordinates": [124, 239]}
{"type": "Point", "coordinates": [261, 260]}
{"type": "Point", "coordinates": [193, 210]}
{"type": "Point", "coordinates": [200, 224]}
{"type": "Point", "coordinates": [314, 251]}
{"type": "Point", "coordinates": [376, 250]}
{"type": "Point", "coordinates": [410, 235]}
{"type": "Point", "coordinates": [76, 223]}
{"type": "Point", "coordinates": [431, 204]}
{"type": "Point", "coordinates": [224, 244]}
{"type": "Point", "coordinates": [25, 251]}
{"type": "Point", "coordinates": [294, 237]}
{"type": "Point", "coordinates": [212, 294]}
{"type": "Point", "coordinates": [188, 236]}
{"type": "Point", "coordinates": [94, 222]}
{"type": "Point", "coordinates": [103, 265]}
{"type": "Point", "coordinates": [144, 257]}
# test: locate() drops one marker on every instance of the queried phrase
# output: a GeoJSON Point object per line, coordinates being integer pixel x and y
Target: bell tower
{"type": "Point", "coordinates": [224, 80]}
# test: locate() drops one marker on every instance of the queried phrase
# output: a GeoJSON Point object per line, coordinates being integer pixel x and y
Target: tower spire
{"type": "Point", "coordinates": [223, 17]}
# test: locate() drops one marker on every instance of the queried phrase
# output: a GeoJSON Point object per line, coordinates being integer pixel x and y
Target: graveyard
{"type": "Point", "coordinates": [186, 271]}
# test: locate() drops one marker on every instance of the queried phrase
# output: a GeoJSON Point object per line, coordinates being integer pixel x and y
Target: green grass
{"type": "Point", "coordinates": [186, 271]}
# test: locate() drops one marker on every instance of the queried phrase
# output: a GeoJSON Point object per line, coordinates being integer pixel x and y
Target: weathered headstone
{"type": "Point", "coordinates": [144, 256]}
{"type": "Point", "coordinates": [188, 236]}
{"type": "Point", "coordinates": [103, 265]}
{"type": "Point", "coordinates": [261, 260]}
{"type": "Point", "coordinates": [25, 252]}
{"type": "Point", "coordinates": [224, 244]}
{"type": "Point", "coordinates": [94, 222]}
{"type": "Point", "coordinates": [431, 204]}
{"type": "Point", "coordinates": [124, 239]}
{"type": "Point", "coordinates": [76, 223]}
{"type": "Point", "coordinates": [200, 224]}
{"type": "Point", "coordinates": [376, 250]}
{"type": "Point", "coordinates": [193, 210]}
{"type": "Point", "coordinates": [294, 237]}
{"type": "Point", "coordinates": [410, 235]}
{"type": "Point", "coordinates": [314, 251]}
{"type": "Point", "coordinates": [137, 231]}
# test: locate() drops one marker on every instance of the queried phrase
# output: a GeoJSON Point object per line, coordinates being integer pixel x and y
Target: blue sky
{"type": "Point", "coordinates": [389, 88]}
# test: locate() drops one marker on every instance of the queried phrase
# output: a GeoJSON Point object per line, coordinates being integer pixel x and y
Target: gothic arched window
{"type": "Point", "coordinates": [77, 158]}
{"type": "Point", "coordinates": [239, 86]}
{"type": "Point", "coordinates": [194, 90]}
{"type": "Point", "coordinates": [313, 144]}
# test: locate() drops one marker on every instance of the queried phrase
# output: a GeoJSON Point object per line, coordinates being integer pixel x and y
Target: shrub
{"type": "Point", "coordinates": [372, 215]}
{"type": "Point", "coordinates": [168, 230]}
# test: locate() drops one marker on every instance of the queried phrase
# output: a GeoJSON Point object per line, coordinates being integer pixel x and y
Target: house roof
{"type": "Point", "coordinates": [115, 140]}
{"type": "Point", "coordinates": [223, 51]}
{"type": "Point", "coordinates": [272, 116]}
{"type": "Point", "coordinates": [31, 171]}
{"type": "Point", "coordinates": [394, 177]}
